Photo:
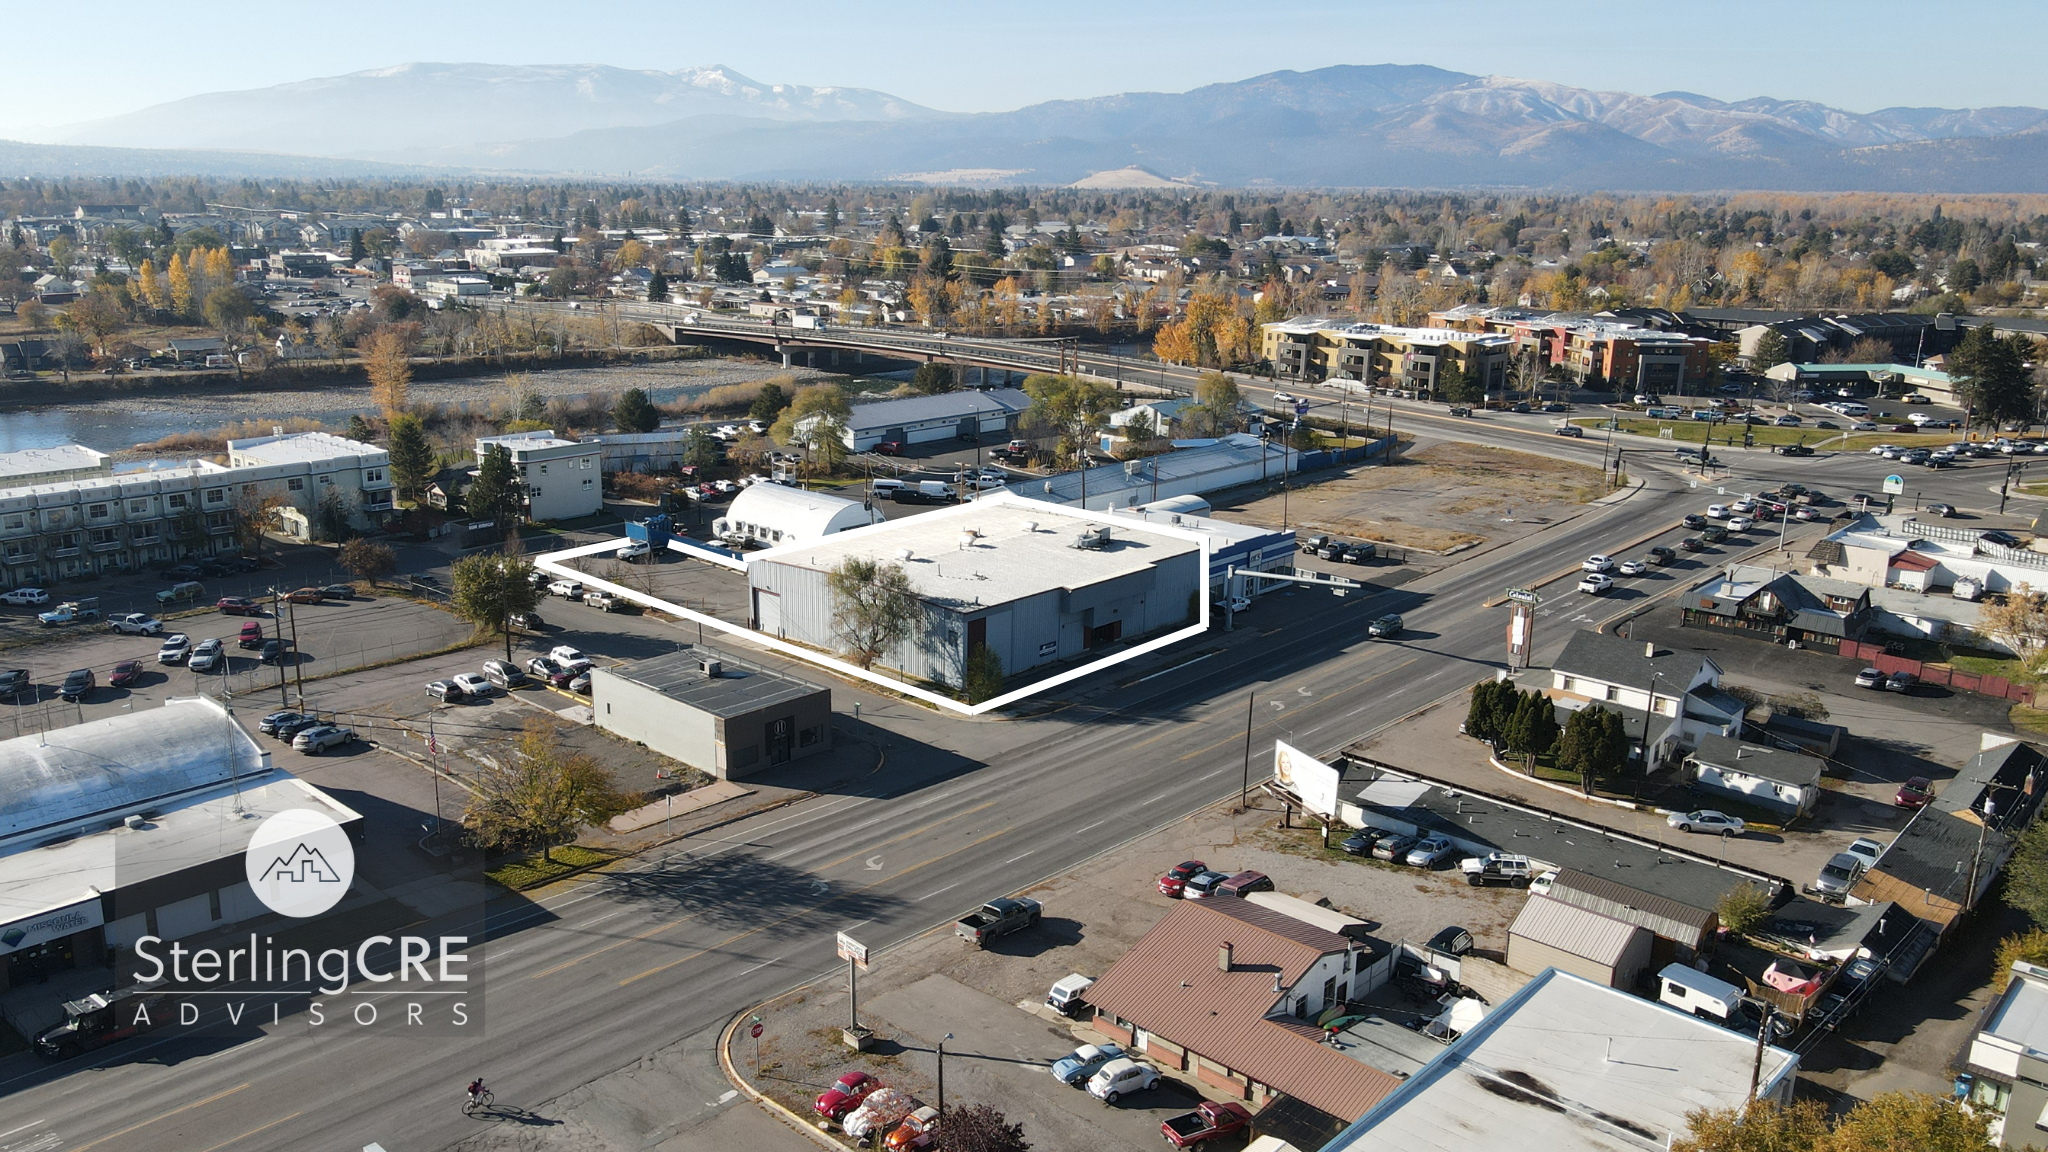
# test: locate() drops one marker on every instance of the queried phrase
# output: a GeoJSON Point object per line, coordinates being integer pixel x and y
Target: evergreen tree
{"type": "Point", "coordinates": [412, 457]}
{"type": "Point", "coordinates": [769, 403]}
{"type": "Point", "coordinates": [497, 493]}
{"type": "Point", "coordinates": [657, 288]}
{"type": "Point", "coordinates": [1771, 350]}
{"type": "Point", "coordinates": [635, 412]}
{"type": "Point", "coordinates": [1991, 375]}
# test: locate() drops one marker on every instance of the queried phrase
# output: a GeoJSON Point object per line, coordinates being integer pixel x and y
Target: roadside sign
{"type": "Point", "coordinates": [1524, 596]}
{"type": "Point", "coordinates": [1894, 485]}
{"type": "Point", "coordinates": [854, 950]}
{"type": "Point", "coordinates": [757, 1030]}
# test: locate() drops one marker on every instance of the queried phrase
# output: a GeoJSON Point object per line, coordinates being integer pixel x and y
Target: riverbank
{"type": "Point", "coordinates": [120, 422]}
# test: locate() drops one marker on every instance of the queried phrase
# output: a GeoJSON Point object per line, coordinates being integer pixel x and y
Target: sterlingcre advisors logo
{"type": "Point", "coordinates": [300, 863]}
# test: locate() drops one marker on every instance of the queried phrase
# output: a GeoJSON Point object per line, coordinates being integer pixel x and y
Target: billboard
{"type": "Point", "coordinates": [1307, 777]}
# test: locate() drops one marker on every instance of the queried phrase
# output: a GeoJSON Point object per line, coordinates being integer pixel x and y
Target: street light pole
{"type": "Point", "coordinates": [1244, 793]}
{"type": "Point", "coordinates": [942, 1075]}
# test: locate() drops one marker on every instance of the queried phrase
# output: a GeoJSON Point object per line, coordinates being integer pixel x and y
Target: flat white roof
{"type": "Point", "coordinates": [2022, 1016]}
{"type": "Point", "coordinates": [1566, 1065]}
{"type": "Point", "coordinates": [526, 441]}
{"type": "Point", "coordinates": [1021, 551]}
{"type": "Point", "coordinates": [298, 448]}
{"type": "Point", "coordinates": [43, 461]}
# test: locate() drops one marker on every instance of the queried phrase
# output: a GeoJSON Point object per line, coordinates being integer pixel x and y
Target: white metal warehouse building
{"type": "Point", "coordinates": [770, 514]}
{"type": "Point", "coordinates": [995, 572]}
{"type": "Point", "coordinates": [991, 414]}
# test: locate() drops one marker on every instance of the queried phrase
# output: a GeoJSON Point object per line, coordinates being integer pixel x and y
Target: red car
{"type": "Point", "coordinates": [889, 448]}
{"type": "Point", "coordinates": [1914, 793]}
{"type": "Point", "coordinates": [238, 606]}
{"type": "Point", "coordinates": [1175, 882]}
{"type": "Point", "coordinates": [305, 596]}
{"type": "Point", "coordinates": [125, 673]}
{"type": "Point", "coordinates": [846, 1095]}
{"type": "Point", "coordinates": [1209, 1121]}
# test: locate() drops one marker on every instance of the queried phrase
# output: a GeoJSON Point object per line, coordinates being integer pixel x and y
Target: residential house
{"type": "Point", "coordinates": [1671, 698]}
{"type": "Point", "coordinates": [1229, 993]}
{"type": "Point", "coordinates": [53, 289]}
{"type": "Point", "coordinates": [1782, 607]}
{"type": "Point", "coordinates": [1786, 783]}
{"type": "Point", "coordinates": [2005, 1068]}
{"type": "Point", "coordinates": [194, 348]}
{"type": "Point", "coordinates": [1567, 1065]}
{"type": "Point", "coordinates": [1951, 851]}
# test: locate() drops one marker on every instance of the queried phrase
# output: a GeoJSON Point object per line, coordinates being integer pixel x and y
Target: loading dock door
{"type": "Point", "coordinates": [970, 428]}
{"type": "Point", "coordinates": [767, 612]}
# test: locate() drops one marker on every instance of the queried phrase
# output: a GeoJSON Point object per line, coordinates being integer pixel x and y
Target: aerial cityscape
{"type": "Point", "coordinates": [802, 522]}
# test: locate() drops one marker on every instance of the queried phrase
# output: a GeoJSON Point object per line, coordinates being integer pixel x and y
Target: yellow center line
{"type": "Point", "coordinates": [813, 908]}
{"type": "Point", "coordinates": [164, 1116]}
{"type": "Point", "coordinates": [253, 1131]}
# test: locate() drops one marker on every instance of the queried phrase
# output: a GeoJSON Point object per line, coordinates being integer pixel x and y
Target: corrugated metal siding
{"type": "Point", "coordinates": [1667, 918]}
{"type": "Point", "coordinates": [1533, 956]}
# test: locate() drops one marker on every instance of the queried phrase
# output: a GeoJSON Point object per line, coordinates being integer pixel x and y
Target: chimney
{"type": "Point", "coordinates": [1649, 649]}
{"type": "Point", "coordinates": [1223, 957]}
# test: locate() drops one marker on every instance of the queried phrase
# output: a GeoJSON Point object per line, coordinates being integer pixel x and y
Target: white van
{"type": "Point", "coordinates": [887, 489]}
{"type": "Point", "coordinates": [1696, 992]}
{"type": "Point", "coordinates": [1855, 410]}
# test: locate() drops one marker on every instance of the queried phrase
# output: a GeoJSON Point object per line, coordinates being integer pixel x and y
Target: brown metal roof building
{"type": "Point", "coordinates": [1230, 992]}
{"type": "Point", "coordinates": [1553, 934]}
{"type": "Point", "coordinates": [1680, 929]}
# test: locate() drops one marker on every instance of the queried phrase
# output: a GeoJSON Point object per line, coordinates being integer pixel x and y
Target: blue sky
{"type": "Point", "coordinates": [971, 55]}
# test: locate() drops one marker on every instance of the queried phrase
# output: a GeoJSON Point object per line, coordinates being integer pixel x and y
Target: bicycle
{"type": "Point", "coordinates": [473, 1101]}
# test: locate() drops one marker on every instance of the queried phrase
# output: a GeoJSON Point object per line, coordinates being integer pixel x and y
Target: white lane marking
{"type": "Point", "coordinates": [1014, 859]}
{"type": "Point", "coordinates": [728, 1097]}
{"type": "Point", "coordinates": [1169, 671]}
{"type": "Point", "coordinates": [1097, 824]}
{"type": "Point", "coordinates": [23, 1128]}
{"type": "Point", "coordinates": [947, 888]}
{"type": "Point", "coordinates": [762, 964]}
{"type": "Point", "coordinates": [1158, 798]}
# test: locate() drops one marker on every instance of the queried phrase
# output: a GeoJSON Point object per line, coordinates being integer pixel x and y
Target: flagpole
{"type": "Point", "coordinates": [433, 752]}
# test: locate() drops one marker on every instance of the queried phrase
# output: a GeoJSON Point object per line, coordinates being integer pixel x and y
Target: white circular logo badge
{"type": "Point", "coordinates": [300, 863]}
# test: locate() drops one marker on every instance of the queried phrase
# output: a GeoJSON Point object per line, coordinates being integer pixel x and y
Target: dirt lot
{"type": "Point", "coordinates": [1439, 498]}
{"type": "Point", "coordinates": [930, 984]}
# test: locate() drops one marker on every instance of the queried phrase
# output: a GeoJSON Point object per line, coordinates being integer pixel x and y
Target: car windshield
{"type": "Point", "coordinates": [1834, 871]}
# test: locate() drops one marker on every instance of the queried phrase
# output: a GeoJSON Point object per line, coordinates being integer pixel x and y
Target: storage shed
{"type": "Point", "coordinates": [771, 514]}
{"type": "Point", "coordinates": [990, 414]}
{"type": "Point", "coordinates": [1552, 934]}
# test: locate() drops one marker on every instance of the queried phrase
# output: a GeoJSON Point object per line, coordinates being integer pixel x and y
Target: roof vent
{"type": "Point", "coordinates": [1276, 984]}
{"type": "Point", "coordinates": [903, 554]}
{"type": "Point", "coordinates": [133, 822]}
{"type": "Point", "coordinates": [711, 668]}
{"type": "Point", "coordinates": [1649, 650]}
{"type": "Point", "coordinates": [968, 536]}
{"type": "Point", "coordinates": [1030, 526]}
{"type": "Point", "coordinates": [1223, 957]}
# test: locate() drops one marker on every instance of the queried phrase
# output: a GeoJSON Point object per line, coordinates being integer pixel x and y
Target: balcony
{"type": "Point", "coordinates": [104, 545]}
{"type": "Point", "coordinates": [141, 540]}
{"type": "Point", "coordinates": [219, 529]}
{"type": "Point", "coordinates": [63, 553]}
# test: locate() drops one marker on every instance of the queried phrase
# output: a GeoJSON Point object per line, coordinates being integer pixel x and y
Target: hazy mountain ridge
{"type": "Point", "coordinates": [1352, 125]}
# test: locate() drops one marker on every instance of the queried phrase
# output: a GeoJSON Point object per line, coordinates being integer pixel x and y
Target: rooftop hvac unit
{"type": "Point", "coordinates": [1092, 537]}
{"type": "Point", "coordinates": [904, 554]}
{"type": "Point", "coordinates": [711, 668]}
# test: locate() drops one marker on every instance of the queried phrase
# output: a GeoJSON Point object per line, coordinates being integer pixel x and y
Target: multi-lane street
{"type": "Point", "coordinates": [932, 815]}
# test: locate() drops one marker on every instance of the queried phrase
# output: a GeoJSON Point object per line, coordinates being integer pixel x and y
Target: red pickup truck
{"type": "Point", "coordinates": [1208, 1122]}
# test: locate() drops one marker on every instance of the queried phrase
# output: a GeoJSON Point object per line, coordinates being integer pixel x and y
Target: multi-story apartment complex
{"type": "Point", "coordinates": [131, 520]}
{"type": "Point", "coordinates": [563, 478]}
{"type": "Point", "coordinates": [1407, 359]}
{"type": "Point", "coordinates": [1593, 350]}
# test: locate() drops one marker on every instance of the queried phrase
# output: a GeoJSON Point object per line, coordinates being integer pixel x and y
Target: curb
{"type": "Point", "coordinates": [1576, 795]}
{"type": "Point", "coordinates": [775, 1109]}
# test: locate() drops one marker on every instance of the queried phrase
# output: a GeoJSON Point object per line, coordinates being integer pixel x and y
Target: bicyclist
{"type": "Point", "coordinates": [476, 1088]}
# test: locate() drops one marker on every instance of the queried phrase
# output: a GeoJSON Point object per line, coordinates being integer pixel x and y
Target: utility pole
{"type": "Point", "coordinates": [1756, 1068]}
{"type": "Point", "coordinates": [1244, 793]}
{"type": "Point", "coordinates": [284, 700]}
{"type": "Point", "coordinates": [298, 671]}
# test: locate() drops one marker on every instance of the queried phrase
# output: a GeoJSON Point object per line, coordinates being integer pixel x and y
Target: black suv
{"type": "Point", "coordinates": [2002, 539]}
{"type": "Point", "coordinates": [78, 684]}
{"type": "Point", "coordinates": [1660, 555]}
{"type": "Point", "coordinates": [1695, 521]}
{"type": "Point", "coordinates": [273, 651]}
{"type": "Point", "coordinates": [183, 572]}
{"type": "Point", "coordinates": [14, 682]}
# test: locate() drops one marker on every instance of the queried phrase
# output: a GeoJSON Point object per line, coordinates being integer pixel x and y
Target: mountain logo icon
{"type": "Point", "coordinates": [300, 863]}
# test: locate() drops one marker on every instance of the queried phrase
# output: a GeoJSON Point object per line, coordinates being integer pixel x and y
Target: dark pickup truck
{"type": "Point", "coordinates": [998, 917]}
{"type": "Point", "coordinates": [1213, 1120]}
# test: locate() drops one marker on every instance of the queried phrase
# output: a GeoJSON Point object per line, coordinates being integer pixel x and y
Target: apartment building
{"type": "Point", "coordinates": [131, 520]}
{"type": "Point", "coordinates": [1595, 350]}
{"type": "Point", "coordinates": [1406, 359]}
{"type": "Point", "coordinates": [563, 478]}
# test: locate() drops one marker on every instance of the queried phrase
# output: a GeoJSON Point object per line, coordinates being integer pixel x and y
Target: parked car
{"type": "Point", "coordinates": [1870, 678]}
{"type": "Point", "coordinates": [1203, 884]}
{"type": "Point", "coordinates": [304, 596]}
{"type": "Point", "coordinates": [504, 674]}
{"type": "Point", "coordinates": [1865, 849]}
{"type": "Point", "coordinates": [1121, 1076]}
{"type": "Point", "coordinates": [1245, 883]}
{"type": "Point", "coordinates": [338, 591]}
{"type": "Point", "coordinates": [207, 656]}
{"type": "Point", "coordinates": [1076, 1068]}
{"type": "Point", "coordinates": [183, 572]}
{"type": "Point", "coordinates": [183, 592]}
{"type": "Point", "coordinates": [1429, 852]}
{"type": "Point", "coordinates": [1916, 792]}
{"type": "Point", "coordinates": [78, 684]}
{"type": "Point", "coordinates": [604, 601]}
{"type": "Point", "coordinates": [1176, 877]}
{"type": "Point", "coordinates": [269, 724]}
{"type": "Point", "coordinates": [528, 621]}
{"type": "Point", "coordinates": [1837, 876]}
{"type": "Point", "coordinates": [14, 682]}
{"type": "Point", "coordinates": [1787, 421]}
{"type": "Point", "coordinates": [25, 597]}
{"type": "Point", "coordinates": [125, 674]}
{"type": "Point", "coordinates": [319, 738]}
{"type": "Point", "coordinates": [1385, 627]}
{"type": "Point", "coordinates": [1595, 584]}
{"type": "Point", "coordinates": [174, 649]}
{"type": "Point", "coordinates": [238, 606]}
{"type": "Point", "coordinates": [273, 650]}
{"type": "Point", "coordinates": [1504, 868]}
{"type": "Point", "coordinates": [474, 685]}
{"type": "Point", "coordinates": [845, 1095]}
{"type": "Point", "coordinates": [1211, 1120]}
{"type": "Point", "coordinates": [1360, 843]}
{"type": "Point", "coordinates": [913, 1131]}
{"type": "Point", "coordinates": [1706, 820]}
{"type": "Point", "coordinates": [446, 691]}
{"type": "Point", "coordinates": [1900, 682]}
{"type": "Point", "coordinates": [136, 624]}
{"type": "Point", "coordinates": [568, 656]}
{"type": "Point", "coordinates": [1393, 848]}
{"type": "Point", "coordinates": [548, 672]}
{"type": "Point", "coordinates": [998, 917]}
{"type": "Point", "coordinates": [566, 589]}
{"type": "Point", "coordinates": [2002, 539]}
